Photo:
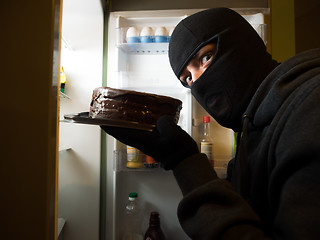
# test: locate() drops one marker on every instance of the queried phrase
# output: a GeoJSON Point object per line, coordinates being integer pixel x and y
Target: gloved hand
{"type": "Point", "coordinates": [167, 144]}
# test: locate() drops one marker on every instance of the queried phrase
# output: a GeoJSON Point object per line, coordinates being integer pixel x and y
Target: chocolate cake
{"type": "Point", "coordinates": [133, 106]}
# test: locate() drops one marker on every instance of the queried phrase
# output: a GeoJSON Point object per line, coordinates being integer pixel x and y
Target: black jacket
{"type": "Point", "coordinates": [275, 179]}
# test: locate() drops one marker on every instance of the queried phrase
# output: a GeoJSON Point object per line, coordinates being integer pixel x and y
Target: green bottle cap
{"type": "Point", "coordinates": [133, 195]}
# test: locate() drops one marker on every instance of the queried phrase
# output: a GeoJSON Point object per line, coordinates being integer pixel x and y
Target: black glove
{"type": "Point", "coordinates": [167, 144]}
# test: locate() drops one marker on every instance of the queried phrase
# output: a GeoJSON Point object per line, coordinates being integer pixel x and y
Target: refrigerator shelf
{"type": "Point", "coordinates": [120, 161]}
{"type": "Point", "coordinates": [144, 48]}
{"type": "Point", "coordinates": [157, 48]}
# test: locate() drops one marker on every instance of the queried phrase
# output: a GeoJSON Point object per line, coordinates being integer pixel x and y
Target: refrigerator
{"type": "Point", "coordinates": [145, 67]}
{"type": "Point", "coordinates": [93, 186]}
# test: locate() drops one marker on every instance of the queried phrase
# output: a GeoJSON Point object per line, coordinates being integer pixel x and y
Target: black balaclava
{"type": "Point", "coordinates": [240, 64]}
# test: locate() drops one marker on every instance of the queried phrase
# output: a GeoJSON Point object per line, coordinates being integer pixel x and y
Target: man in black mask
{"type": "Point", "coordinates": [272, 191]}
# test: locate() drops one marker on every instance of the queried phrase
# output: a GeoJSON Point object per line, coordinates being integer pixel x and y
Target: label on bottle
{"type": "Point", "coordinates": [132, 154]}
{"type": "Point", "coordinates": [206, 148]}
{"type": "Point", "coordinates": [134, 158]}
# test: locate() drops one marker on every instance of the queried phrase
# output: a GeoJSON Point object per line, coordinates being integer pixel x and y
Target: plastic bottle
{"type": "Point", "coordinates": [154, 231]}
{"type": "Point", "coordinates": [206, 142]}
{"type": "Point", "coordinates": [134, 158]}
{"type": "Point", "coordinates": [63, 80]}
{"type": "Point", "coordinates": [132, 226]}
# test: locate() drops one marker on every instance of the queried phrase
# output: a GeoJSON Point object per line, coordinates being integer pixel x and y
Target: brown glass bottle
{"type": "Point", "coordinates": [154, 231]}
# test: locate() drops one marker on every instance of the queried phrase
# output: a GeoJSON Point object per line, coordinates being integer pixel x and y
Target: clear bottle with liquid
{"type": "Point", "coordinates": [134, 158]}
{"type": "Point", "coordinates": [154, 232]}
{"type": "Point", "coordinates": [132, 224]}
{"type": "Point", "coordinates": [206, 142]}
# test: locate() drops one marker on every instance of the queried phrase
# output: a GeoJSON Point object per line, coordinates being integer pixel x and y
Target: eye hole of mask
{"type": "Point", "coordinates": [201, 54]}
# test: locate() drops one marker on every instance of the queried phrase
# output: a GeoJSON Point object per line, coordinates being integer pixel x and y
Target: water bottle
{"type": "Point", "coordinates": [132, 228]}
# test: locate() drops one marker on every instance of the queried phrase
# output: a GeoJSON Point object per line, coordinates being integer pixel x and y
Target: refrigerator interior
{"type": "Point", "coordinates": [145, 67]}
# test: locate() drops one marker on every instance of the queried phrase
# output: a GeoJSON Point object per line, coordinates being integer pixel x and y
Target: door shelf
{"type": "Point", "coordinates": [63, 95]}
{"type": "Point", "coordinates": [160, 48]}
{"type": "Point", "coordinates": [120, 161]}
{"type": "Point", "coordinates": [61, 223]}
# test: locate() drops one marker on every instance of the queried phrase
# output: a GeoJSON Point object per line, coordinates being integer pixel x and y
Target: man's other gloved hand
{"type": "Point", "coordinates": [167, 144]}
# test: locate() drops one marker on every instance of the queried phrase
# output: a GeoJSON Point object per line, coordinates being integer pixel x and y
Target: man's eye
{"type": "Point", "coordinates": [188, 79]}
{"type": "Point", "coordinates": [206, 58]}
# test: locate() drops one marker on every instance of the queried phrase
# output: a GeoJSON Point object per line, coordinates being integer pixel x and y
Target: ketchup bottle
{"type": "Point", "coordinates": [206, 142]}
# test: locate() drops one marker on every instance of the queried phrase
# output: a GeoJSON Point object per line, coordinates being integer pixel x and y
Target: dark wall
{"type": "Point", "coordinates": [307, 24]}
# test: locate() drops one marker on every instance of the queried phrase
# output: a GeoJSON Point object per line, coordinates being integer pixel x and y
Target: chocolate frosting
{"type": "Point", "coordinates": [133, 106]}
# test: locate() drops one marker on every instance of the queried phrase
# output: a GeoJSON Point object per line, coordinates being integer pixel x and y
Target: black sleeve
{"type": "Point", "coordinates": [210, 208]}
